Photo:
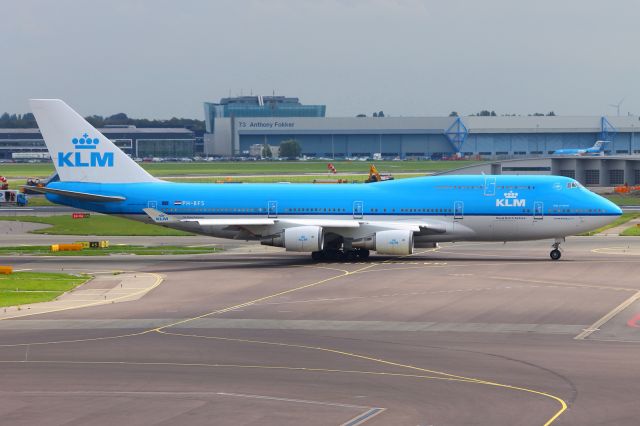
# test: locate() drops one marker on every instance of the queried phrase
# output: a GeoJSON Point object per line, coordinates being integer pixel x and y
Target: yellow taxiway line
{"type": "Point", "coordinates": [345, 273]}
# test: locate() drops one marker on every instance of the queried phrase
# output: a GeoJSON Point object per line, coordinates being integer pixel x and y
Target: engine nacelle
{"type": "Point", "coordinates": [399, 242]}
{"type": "Point", "coordinates": [299, 238]}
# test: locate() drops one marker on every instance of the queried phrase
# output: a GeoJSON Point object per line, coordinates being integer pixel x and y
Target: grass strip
{"type": "Point", "coordinates": [624, 218]}
{"type": "Point", "coordinates": [632, 231]}
{"type": "Point", "coordinates": [41, 170]}
{"type": "Point", "coordinates": [21, 288]}
{"type": "Point", "coordinates": [623, 200]}
{"type": "Point", "coordinates": [115, 249]}
{"type": "Point", "coordinates": [276, 179]}
{"type": "Point", "coordinates": [98, 225]}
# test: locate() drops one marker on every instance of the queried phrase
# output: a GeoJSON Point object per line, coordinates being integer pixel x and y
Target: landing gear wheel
{"type": "Point", "coordinates": [332, 255]}
{"type": "Point", "coordinates": [555, 253]}
{"type": "Point", "coordinates": [350, 255]}
{"type": "Point", "coordinates": [363, 254]}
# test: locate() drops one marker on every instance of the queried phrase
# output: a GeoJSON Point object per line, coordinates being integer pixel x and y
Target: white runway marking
{"type": "Point", "coordinates": [602, 321]}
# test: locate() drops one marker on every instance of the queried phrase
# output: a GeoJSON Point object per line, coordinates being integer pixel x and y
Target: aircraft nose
{"type": "Point", "coordinates": [611, 208]}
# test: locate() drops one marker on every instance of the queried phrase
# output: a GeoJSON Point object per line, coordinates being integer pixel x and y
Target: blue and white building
{"type": "Point", "coordinates": [424, 137]}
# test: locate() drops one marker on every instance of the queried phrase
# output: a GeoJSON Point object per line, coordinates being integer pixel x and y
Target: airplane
{"type": "Point", "coordinates": [596, 149]}
{"type": "Point", "coordinates": [332, 222]}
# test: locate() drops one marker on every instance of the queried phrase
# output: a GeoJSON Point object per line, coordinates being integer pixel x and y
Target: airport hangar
{"type": "Point", "coordinates": [421, 137]}
{"type": "Point", "coordinates": [590, 171]}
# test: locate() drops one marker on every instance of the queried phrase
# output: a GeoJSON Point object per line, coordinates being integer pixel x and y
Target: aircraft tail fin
{"type": "Point", "coordinates": [599, 145]}
{"type": "Point", "coordinates": [80, 152]}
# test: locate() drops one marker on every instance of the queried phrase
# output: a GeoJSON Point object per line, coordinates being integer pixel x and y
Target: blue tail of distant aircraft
{"type": "Point", "coordinates": [599, 146]}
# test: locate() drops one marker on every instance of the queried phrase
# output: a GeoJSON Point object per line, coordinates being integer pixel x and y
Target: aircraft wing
{"type": "Point", "coordinates": [231, 221]}
{"type": "Point", "coordinates": [160, 217]}
{"type": "Point", "coordinates": [420, 227]}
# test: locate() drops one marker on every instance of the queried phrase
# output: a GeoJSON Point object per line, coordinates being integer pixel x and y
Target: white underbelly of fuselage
{"type": "Point", "coordinates": [467, 228]}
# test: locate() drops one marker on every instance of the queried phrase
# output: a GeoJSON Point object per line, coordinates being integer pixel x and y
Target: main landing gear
{"type": "Point", "coordinates": [340, 255]}
{"type": "Point", "coordinates": [555, 253]}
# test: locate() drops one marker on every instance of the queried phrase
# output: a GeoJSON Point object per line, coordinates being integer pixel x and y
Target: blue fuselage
{"type": "Point", "coordinates": [448, 198]}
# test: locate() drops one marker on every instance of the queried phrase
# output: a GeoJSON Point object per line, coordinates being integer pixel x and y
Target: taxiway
{"type": "Point", "coordinates": [473, 333]}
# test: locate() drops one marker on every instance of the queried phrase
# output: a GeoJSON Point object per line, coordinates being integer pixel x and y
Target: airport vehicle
{"type": "Point", "coordinates": [375, 176]}
{"type": "Point", "coordinates": [12, 197]}
{"type": "Point", "coordinates": [596, 149]}
{"type": "Point", "coordinates": [627, 189]}
{"type": "Point", "coordinates": [329, 221]}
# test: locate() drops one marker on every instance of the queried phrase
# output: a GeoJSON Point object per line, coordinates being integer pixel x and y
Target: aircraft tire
{"type": "Point", "coordinates": [363, 254]}
{"type": "Point", "coordinates": [332, 255]}
{"type": "Point", "coordinates": [555, 254]}
{"type": "Point", "coordinates": [350, 255]}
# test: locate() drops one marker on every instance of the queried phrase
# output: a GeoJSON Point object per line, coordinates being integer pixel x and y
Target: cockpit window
{"type": "Point", "coordinates": [574, 184]}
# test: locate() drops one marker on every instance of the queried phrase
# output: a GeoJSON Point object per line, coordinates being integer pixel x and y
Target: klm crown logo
{"type": "Point", "coordinates": [510, 194]}
{"type": "Point", "coordinates": [85, 142]}
{"type": "Point", "coordinates": [78, 158]}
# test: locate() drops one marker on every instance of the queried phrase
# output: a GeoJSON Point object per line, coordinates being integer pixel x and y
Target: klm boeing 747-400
{"type": "Point", "coordinates": [328, 221]}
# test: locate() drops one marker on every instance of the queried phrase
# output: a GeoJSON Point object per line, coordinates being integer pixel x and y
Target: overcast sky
{"type": "Point", "coordinates": [157, 58]}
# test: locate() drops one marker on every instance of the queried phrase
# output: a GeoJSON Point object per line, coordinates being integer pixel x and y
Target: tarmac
{"type": "Point", "coordinates": [470, 333]}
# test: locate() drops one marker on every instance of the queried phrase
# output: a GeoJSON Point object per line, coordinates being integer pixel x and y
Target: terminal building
{"type": "Point", "coordinates": [137, 142]}
{"type": "Point", "coordinates": [418, 137]}
{"type": "Point", "coordinates": [258, 106]}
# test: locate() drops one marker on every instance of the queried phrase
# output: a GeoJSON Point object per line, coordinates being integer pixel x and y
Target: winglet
{"type": "Point", "coordinates": [159, 217]}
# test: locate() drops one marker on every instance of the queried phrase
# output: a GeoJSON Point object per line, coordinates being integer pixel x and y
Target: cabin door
{"type": "Point", "coordinates": [358, 209]}
{"type": "Point", "coordinates": [272, 209]}
{"type": "Point", "coordinates": [458, 210]}
{"type": "Point", "coordinates": [490, 186]}
{"type": "Point", "coordinates": [538, 210]}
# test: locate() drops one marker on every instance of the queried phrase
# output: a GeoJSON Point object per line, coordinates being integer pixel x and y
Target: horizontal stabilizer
{"type": "Point", "coordinates": [77, 195]}
{"type": "Point", "coordinates": [159, 217]}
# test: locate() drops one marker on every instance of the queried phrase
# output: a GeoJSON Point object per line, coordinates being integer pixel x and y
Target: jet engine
{"type": "Point", "coordinates": [299, 238]}
{"type": "Point", "coordinates": [397, 242]}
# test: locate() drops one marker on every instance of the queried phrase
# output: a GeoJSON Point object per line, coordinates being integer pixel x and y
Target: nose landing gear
{"type": "Point", "coordinates": [555, 253]}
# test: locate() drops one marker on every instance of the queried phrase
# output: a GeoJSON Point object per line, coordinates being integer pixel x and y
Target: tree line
{"type": "Point", "coordinates": [487, 113]}
{"type": "Point", "coordinates": [28, 121]}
